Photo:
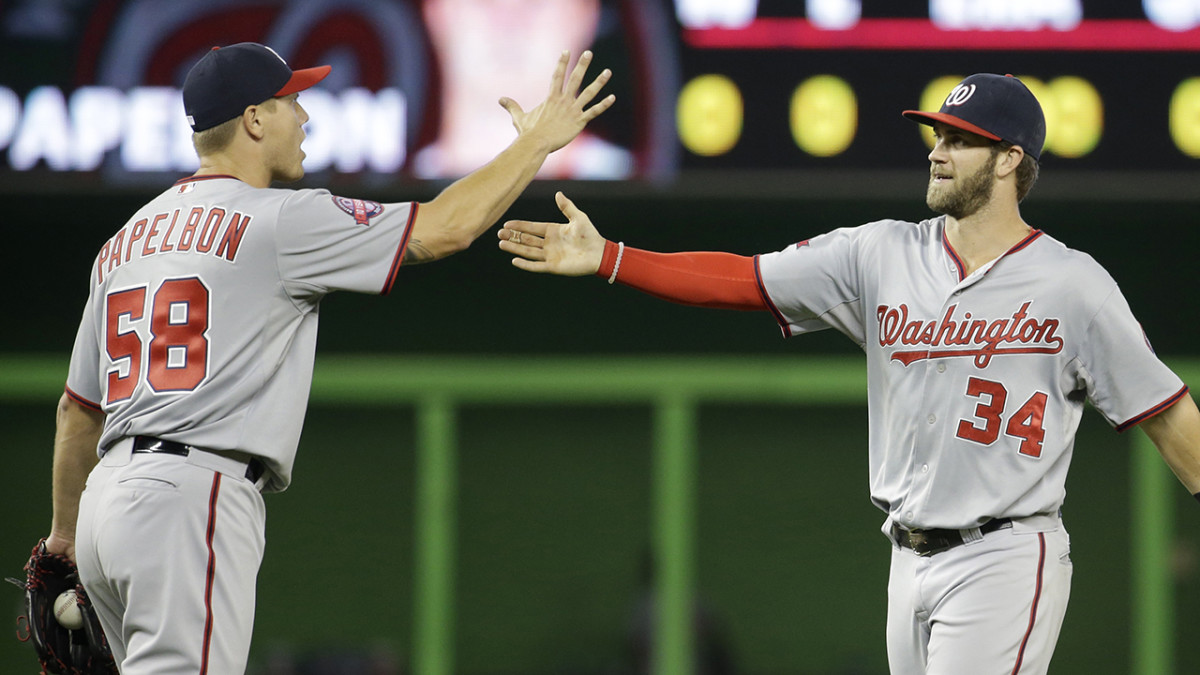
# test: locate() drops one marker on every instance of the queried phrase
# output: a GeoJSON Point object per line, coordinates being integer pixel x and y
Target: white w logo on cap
{"type": "Point", "coordinates": [960, 95]}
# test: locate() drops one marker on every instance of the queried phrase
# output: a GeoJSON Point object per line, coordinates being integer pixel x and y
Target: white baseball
{"type": "Point", "coordinates": [66, 610]}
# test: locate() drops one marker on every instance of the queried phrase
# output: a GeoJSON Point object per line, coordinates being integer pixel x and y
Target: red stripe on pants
{"type": "Point", "coordinates": [1037, 595]}
{"type": "Point", "coordinates": [212, 571]}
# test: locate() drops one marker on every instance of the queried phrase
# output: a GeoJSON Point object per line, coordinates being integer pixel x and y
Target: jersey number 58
{"type": "Point", "coordinates": [176, 357]}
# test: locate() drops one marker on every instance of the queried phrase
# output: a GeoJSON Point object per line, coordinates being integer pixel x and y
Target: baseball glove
{"type": "Point", "coordinates": [61, 651]}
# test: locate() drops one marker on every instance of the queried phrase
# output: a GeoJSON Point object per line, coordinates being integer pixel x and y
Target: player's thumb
{"type": "Point", "coordinates": [565, 205]}
{"type": "Point", "coordinates": [511, 106]}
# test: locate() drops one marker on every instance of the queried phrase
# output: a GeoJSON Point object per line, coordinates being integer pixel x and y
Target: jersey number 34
{"type": "Point", "coordinates": [176, 356]}
{"type": "Point", "coordinates": [1025, 423]}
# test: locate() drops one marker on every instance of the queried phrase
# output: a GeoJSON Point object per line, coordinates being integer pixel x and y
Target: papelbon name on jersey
{"type": "Point", "coordinates": [164, 233]}
{"type": "Point", "coordinates": [978, 338]}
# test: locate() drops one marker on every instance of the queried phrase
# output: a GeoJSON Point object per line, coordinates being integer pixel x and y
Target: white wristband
{"type": "Point", "coordinates": [617, 265]}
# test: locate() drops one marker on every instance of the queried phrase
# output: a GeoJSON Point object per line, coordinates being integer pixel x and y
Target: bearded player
{"type": "Point", "coordinates": [983, 338]}
{"type": "Point", "coordinates": [193, 360]}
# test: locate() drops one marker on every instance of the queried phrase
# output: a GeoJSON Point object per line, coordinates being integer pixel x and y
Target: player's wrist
{"type": "Point", "coordinates": [609, 260]}
{"type": "Point", "coordinates": [534, 143]}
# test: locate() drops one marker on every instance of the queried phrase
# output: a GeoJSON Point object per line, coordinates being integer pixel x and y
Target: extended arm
{"type": "Point", "coordinates": [469, 206]}
{"type": "Point", "coordinates": [76, 436]}
{"type": "Point", "coordinates": [1176, 433]}
{"type": "Point", "coordinates": [575, 248]}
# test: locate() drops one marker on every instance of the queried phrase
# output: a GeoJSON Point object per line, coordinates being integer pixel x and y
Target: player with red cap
{"type": "Point", "coordinates": [192, 362]}
{"type": "Point", "coordinates": [984, 339]}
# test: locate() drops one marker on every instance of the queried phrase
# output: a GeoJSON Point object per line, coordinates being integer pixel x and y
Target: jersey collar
{"type": "Point", "coordinates": [215, 176]}
{"type": "Point", "coordinates": [962, 267]}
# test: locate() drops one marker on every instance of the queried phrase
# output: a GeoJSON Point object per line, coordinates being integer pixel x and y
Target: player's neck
{"type": "Point", "coordinates": [985, 235]}
{"type": "Point", "coordinates": [222, 164]}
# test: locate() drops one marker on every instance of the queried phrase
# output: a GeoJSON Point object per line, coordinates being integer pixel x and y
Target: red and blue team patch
{"type": "Point", "coordinates": [362, 210]}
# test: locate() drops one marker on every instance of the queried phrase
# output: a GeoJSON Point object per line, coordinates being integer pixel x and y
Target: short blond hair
{"type": "Point", "coordinates": [216, 139]}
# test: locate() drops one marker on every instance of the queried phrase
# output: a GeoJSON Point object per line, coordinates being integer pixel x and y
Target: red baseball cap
{"type": "Point", "coordinates": [999, 107]}
{"type": "Point", "coordinates": [227, 79]}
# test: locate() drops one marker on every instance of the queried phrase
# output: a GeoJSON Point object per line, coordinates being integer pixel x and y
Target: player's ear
{"type": "Point", "coordinates": [1009, 159]}
{"type": "Point", "coordinates": [252, 122]}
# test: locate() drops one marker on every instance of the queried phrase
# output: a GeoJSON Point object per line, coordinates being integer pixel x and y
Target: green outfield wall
{"type": "Point", "coordinates": [509, 515]}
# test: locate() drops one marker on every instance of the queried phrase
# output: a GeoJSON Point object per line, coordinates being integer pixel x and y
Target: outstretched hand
{"type": "Point", "coordinates": [573, 248]}
{"type": "Point", "coordinates": [560, 118]}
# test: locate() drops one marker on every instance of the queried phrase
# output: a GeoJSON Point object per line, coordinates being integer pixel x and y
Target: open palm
{"type": "Point", "coordinates": [559, 119]}
{"type": "Point", "coordinates": [573, 248]}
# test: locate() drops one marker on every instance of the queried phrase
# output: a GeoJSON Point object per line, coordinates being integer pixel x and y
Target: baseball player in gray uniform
{"type": "Point", "coordinates": [191, 367]}
{"type": "Point", "coordinates": [984, 337]}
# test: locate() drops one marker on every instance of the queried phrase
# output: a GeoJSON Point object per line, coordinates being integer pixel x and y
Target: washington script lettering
{"type": "Point", "coordinates": [978, 338]}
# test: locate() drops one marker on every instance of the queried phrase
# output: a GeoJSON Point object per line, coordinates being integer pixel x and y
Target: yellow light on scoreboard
{"type": "Point", "coordinates": [1184, 117]}
{"type": "Point", "coordinates": [1079, 117]}
{"type": "Point", "coordinates": [709, 115]}
{"type": "Point", "coordinates": [824, 115]}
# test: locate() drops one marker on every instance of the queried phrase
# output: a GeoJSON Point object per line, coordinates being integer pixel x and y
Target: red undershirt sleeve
{"type": "Point", "coordinates": [702, 279]}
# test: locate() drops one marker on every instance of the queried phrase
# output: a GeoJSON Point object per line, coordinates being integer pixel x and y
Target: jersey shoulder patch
{"type": "Point", "coordinates": [362, 210]}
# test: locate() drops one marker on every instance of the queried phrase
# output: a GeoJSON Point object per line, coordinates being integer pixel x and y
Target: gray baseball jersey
{"type": "Point", "coordinates": [976, 383]}
{"type": "Point", "coordinates": [201, 322]}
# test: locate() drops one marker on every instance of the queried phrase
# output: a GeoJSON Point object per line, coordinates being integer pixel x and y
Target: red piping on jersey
{"type": "Point", "coordinates": [1024, 242]}
{"type": "Point", "coordinates": [962, 267]}
{"type": "Point", "coordinates": [762, 290]}
{"type": "Point", "coordinates": [399, 259]}
{"type": "Point", "coordinates": [83, 401]}
{"type": "Point", "coordinates": [193, 179]}
{"type": "Point", "coordinates": [212, 572]}
{"type": "Point", "coordinates": [1138, 419]}
{"type": "Point", "coordinates": [1037, 595]}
